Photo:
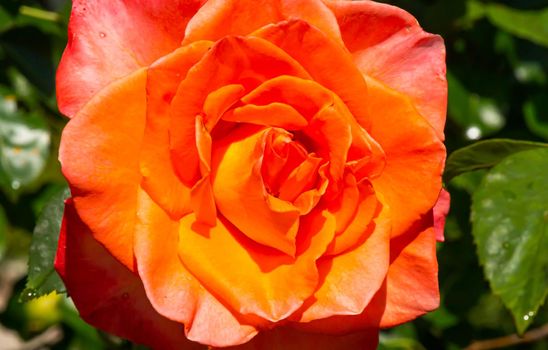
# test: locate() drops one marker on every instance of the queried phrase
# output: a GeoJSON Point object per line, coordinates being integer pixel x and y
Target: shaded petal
{"type": "Point", "coordinates": [159, 178]}
{"type": "Point", "coordinates": [99, 155]}
{"type": "Point", "coordinates": [253, 279]}
{"type": "Point", "coordinates": [219, 18]}
{"type": "Point", "coordinates": [411, 180]}
{"type": "Point", "coordinates": [107, 295]}
{"type": "Point", "coordinates": [389, 45]}
{"type": "Point", "coordinates": [172, 290]}
{"type": "Point", "coordinates": [412, 280]}
{"type": "Point", "coordinates": [104, 44]}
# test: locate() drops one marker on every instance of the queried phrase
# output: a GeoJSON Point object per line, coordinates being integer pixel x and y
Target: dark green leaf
{"type": "Point", "coordinates": [484, 154]}
{"type": "Point", "coordinates": [535, 112]}
{"type": "Point", "coordinates": [42, 278]}
{"type": "Point", "coordinates": [530, 25]}
{"type": "Point", "coordinates": [509, 224]}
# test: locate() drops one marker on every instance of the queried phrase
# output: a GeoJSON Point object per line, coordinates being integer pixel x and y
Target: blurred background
{"type": "Point", "coordinates": [497, 56]}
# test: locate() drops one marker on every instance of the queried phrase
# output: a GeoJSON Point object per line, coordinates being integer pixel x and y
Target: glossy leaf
{"type": "Point", "coordinates": [42, 277]}
{"type": "Point", "coordinates": [530, 25]}
{"type": "Point", "coordinates": [484, 154]}
{"type": "Point", "coordinates": [509, 224]}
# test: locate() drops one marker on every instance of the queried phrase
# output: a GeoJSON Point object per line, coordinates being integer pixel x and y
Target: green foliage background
{"type": "Point", "coordinates": [493, 264]}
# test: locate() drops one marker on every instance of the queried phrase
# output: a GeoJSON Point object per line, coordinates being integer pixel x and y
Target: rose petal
{"type": "Point", "coordinates": [107, 295]}
{"type": "Point", "coordinates": [412, 281]}
{"type": "Point", "coordinates": [256, 60]}
{"type": "Point", "coordinates": [356, 227]}
{"type": "Point", "coordinates": [411, 181]}
{"type": "Point", "coordinates": [389, 45]}
{"type": "Point", "coordinates": [368, 320]}
{"type": "Point", "coordinates": [312, 48]}
{"type": "Point", "coordinates": [220, 18]}
{"type": "Point", "coordinates": [274, 114]}
{"type": "Point", "coordinates": [159, 178]}
{"type": "Point", "coordinates": [172, 290]}
{"type": "Point", "coordinates": [241, 196]}
{"type": "Point", "coordinates": [99, 155]}
{"type": "Point", "coordinates": [409, 291]}
{"type": "Point", "coordinates": [104, 46]}
{"type": "Point", "coordinates": [350, 280]}
{"type": "Point", "coordinates": [253, 279]}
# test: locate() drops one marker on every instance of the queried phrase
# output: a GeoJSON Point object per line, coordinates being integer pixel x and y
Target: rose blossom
{"type": "Point", "coordinates": [250, 172]}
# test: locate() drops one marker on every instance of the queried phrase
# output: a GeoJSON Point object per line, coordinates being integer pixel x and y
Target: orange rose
{"type": "Point", "coordinates": [250, 172]}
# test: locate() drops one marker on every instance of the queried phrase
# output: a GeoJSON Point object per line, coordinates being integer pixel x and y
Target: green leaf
{"type": "Point", "coordinates": [42, 277]}
{"type": "Point", "coordinates": [535, 112]}
{"type": "Point", "coordinates": [24, 146]}
{"type": "Point", "coordinates": [509, 224]}
{"type": "Point", "coordinates": [529, 25]}
{"type": "Point", "coordinates": [484, 154]}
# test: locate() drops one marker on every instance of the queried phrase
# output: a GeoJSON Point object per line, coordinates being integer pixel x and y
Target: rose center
{"type": "Point", "coordinates": [287, 168]}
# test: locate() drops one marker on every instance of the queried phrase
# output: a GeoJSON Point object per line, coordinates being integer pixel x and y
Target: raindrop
{"type": "Point", "coordinates": [125, 296]}
{"type": "Point", "coordinates": [506, 245]}
{"type": "Point", "coordinates": [102, 34]}
{"type": "Point", "coordinates": [526, 317]}
{"type": "Point", "coordinates": [531, 313]}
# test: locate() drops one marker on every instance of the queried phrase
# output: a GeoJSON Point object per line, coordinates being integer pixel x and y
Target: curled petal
{"type": "Point", "coordinates": [257, 60]}
{"type": "Point", "coordinates": [159, 178]}
{"type": "Point", "coordinates": [312, 48]}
